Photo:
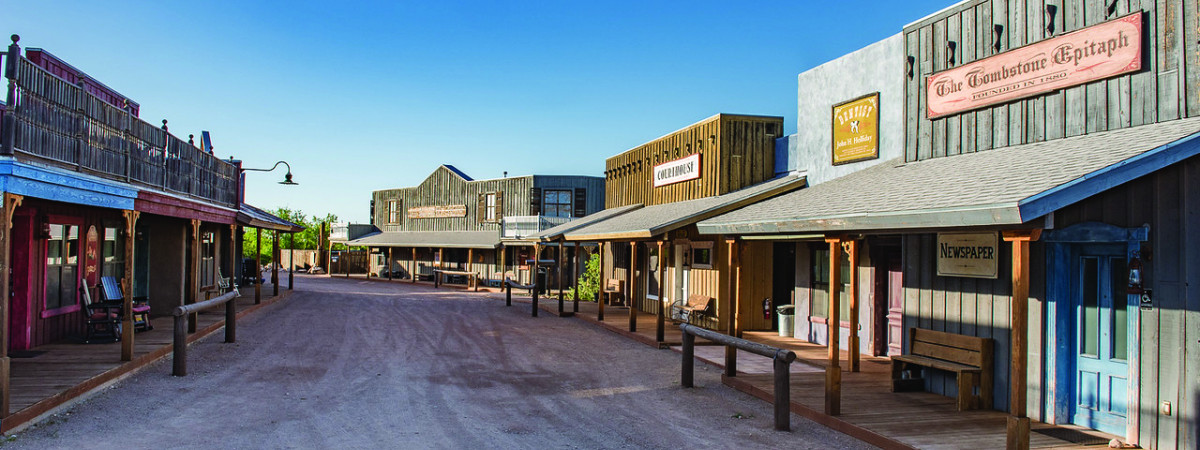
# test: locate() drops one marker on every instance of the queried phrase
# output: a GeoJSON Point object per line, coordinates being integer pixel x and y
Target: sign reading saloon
{"type": "Point", "coordinates": [1096, 52]}
{"type": "Point", "coordinates": [435, 212]}
{"type": "Point", "coordinates": [682, 169]}
{"type": "Point", "coordinates": [856, 130]}
{"type": "Point", "coordinates": [968, 255]}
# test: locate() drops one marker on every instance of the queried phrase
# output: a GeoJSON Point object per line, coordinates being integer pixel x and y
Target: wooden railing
{"type": "Point", "coordinates": [533, 290]}
{"type": "Point", "coordinates": [64, 125]}
{"type": "Point", "coordinates": [782, 358]}
{"type": "Point", "coordinates": [184, 313]}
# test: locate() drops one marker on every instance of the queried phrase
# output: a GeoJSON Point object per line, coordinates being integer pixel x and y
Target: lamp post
{"type": "Point", "coordinates": [287, 180]}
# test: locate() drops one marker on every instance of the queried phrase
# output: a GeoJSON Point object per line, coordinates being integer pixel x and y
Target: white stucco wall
{"type": "Point", "coordinates": [878, 67]}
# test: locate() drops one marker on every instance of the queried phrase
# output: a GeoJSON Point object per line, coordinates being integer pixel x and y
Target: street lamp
{"type": "Point", "coordinates": [287, 178]}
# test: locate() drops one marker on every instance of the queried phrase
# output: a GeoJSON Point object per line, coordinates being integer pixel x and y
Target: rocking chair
{"type": "Point", "coordinates": [102, 319]}
{"type": "Point", "coordinates": [141, 308]}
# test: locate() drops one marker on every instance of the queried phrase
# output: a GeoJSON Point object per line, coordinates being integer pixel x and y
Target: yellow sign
{"type": "Point", "coordinates": [856, 130]}
{"type": "Point", "coordinates": [972, 255]}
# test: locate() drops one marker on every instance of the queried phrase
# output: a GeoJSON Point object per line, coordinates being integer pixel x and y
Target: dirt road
{"type": "Point", "coordinates": [357, 364]}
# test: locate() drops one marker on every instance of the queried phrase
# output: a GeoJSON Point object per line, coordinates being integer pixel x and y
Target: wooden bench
{"type": "Point", "coordinates": [970, 358]}
{"type": "Point", "coordinates": [696, 305]}
{"type": "Point", "coordinates": [471, 277]}
{"type": "Point", "coordinates": [614, 288]}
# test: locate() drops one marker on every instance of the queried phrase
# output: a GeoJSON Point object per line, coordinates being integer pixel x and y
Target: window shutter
{"type": "Point", "coordinates": [499, 206]}
{"type": "Point", "coordinates": [481, 208]}
{"type": "Point", "coordinates": [580, 202]}
{"type": "Point", "coordinates": [535, 201]}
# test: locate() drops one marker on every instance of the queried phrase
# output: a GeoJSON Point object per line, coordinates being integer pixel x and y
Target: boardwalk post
{"type": "Point", "coordinates": [600, 295]}
{"type": "Point", "coordinates": [851, 247]}
{"type": "Point", "coordinates": [193, 282]}
{"type": "Point", "coordinates": [833, 372]}
{"type": "Point", "coordinates": [275, 254]}
{"type": "Point", "coordinates": [258, 265]}
{"type": "Point", "coordinates": [631, 279]}
{"type": "Point", "coordinates": [292, 259]}
{"type": "Point", "coordinates": [731, 307]}
{"type": "Point", "coordinates": [575, 281]}
{"type": "Point", "coordinates": [179, 360]}
{"type": "Point", "coordinates": [660, 328]}
{"type": "Point", "coordinates": [783, 394]}
{"type": "Point", "coordinates": [560, 253]}
{"type": "Point", "coordinates": [388, 268]}
{"type": "Point", "coordinates": [127, 338]}
{"type": "Point", "coordinates": [231, 321]}
{"type": "Point", "coordinates": [689, 360]}
{"type": "Point", "coordinates": [507, 292]}
{"type": "Point", "coordinates": [1017, 436]}
{"type": "Point", "coordinates": [412, 266]}
{"type": "Point", "coordinates": [11, 202]}
{"type": "Point", "coordinates": [537, 254]}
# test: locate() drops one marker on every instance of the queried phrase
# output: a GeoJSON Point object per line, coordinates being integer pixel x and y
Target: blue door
{"type": "Point", "coordinates": [1101, 313]}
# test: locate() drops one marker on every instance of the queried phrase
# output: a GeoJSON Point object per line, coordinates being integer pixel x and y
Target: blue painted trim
{"type": "Point", "coordinates": [1109, 177]}
{"type": "Point", "coordinates": [64, 186]}
{"type": "Point", "coordinates": [1097, 232]}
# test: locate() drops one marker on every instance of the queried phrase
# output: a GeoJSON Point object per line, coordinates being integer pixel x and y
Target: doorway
{"type": "Point", "coordinates": [888, 302]}
{"type": "Point", "coordinates": [1099, 319]}
{"type": "Point", "coordinates": [680, 283]}
{"type": "Point", "coordinates": [783, 279]}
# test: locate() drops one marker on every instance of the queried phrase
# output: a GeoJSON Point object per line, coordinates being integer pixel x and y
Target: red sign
{"type": "Point", "coordinates": [91, 257]}
{"type": "Point", "coordinates": [1096, 52]}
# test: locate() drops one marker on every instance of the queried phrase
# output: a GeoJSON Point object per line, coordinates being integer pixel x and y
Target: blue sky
{"type": "Point", "coordinates": [361, 96]}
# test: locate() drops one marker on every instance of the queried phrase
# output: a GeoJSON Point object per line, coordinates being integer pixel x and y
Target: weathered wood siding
{"type": "Point", "coordinates": [1170, 331]}
{"type": "Point", "coordinates": [735, 151]}
{"type": "Point", "coordinates": [1166, 89]}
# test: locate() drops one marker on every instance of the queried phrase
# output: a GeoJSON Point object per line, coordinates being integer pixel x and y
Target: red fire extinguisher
{"type": "Point", "coordinates": [767, 308]}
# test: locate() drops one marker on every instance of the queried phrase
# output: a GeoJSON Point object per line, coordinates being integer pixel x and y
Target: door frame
{"type": "Point", "coordinates": [1061, 251]}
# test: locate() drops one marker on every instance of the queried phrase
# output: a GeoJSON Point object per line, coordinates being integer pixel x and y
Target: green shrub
{"type": "Point", "coordinates": [589, 282]}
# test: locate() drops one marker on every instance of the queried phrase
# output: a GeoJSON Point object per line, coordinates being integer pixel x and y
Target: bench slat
{"type": "Point", "coordinates": [936, 363]}
{"type": "Point", "coordinates": [951, 354]}
{"type": "Point", "coordinates": [949, 339]}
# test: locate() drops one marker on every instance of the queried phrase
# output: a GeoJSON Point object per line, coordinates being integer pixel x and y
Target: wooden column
{"type": "Point", "coordinates": [632, 280]}
{"type": "Point", "coordinates": [833, 372]}
{"type": "Point", "coordinates": [601, 297]}
{"type": "Point", "coordinates": [561, 254]}
{"type": "Point", "coordinates": [275, 263]}
{"type": "Point", "coordinates": [11, 202]}
{"type": "Point", "coordinates": [533, 278]}
{"type": "Point", "coordinates": [730, 306]}
{"type": "Point", "coordinates": [660, 327]}
{"type": "Point", "coordinates": [234, 255]}
{"type": "Point", "coordinates": [328, 259]}
{"type": "Point", "coordinates": [412, 272]}
{"type": "Point", "coordinates": [470, 264]}
{"type": "Point", "coordinates": [291, 259]}
{"type": "Point", "coordinates": [851, 247]}
{"type": "Point", "coordinates": [258, 265]}
{"type": "Point", "coordinates": [388, 269]}
{"type": "Point", "coordinates": [1018, 421]}
{"type": "Point", "coordinates": [193, 283]}
{"type": "Point", "coordinates": [575, 281]}
{"type": "Point", "coordinates": [503, 262]}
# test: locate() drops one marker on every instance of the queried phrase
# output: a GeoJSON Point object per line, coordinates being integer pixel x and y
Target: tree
{"type": "Point", "coordinates": [307, 239]}
{"type": "Point", "coordinates": [589, 282]}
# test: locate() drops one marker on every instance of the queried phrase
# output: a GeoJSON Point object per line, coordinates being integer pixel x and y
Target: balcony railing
{"type": "Point", "coordinates": [519, 227]}
{"type": "Point", "coordinates": [64, 125]}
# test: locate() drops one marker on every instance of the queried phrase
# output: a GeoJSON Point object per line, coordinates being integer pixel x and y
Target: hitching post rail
{"type": "Point", "coordinates": [783, 360]}
{"type": "Point", "coordinates": [510, 284]}
{"type": "Point", "coordinates": [181, 314]}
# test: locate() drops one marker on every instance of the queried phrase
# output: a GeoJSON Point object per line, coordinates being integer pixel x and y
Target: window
{"type": "Point", "coordinates": [556, 203]}
{"type": "Point", "coordinates": [393, 212]}
{"type": "Point", "coordinates": [62, 262]}
{"type": "Point", "coordinates": [113, 253]}
{"type": "Point", "coordinates": [702, 255]}
{"type": "Point", "coordinates": [489, 211]}
{"type": "Point", "coordinates": [820, 285]}
{"type": "Point", "coordinates": [208, 264]}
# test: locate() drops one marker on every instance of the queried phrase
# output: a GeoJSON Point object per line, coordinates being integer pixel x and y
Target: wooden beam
{"type": "Point", "coordinates": [851, 247]}
{"type": "Point", "coordinates": [601, 297]}
{"type": "Point", "coordinates": [833, 372]}
{"type": "Point", "coordinates": [193, 282]}
{"type": "Point", "coordinates": [258, 264]}
{"type": "Point", "coordinates": [292, 258]}
{"type": "Point", "coordinates": [729, 306]}
{"type": "Point", "coordinates": [1018, 422]}
{"type": "Point", "coordinates": [470, 264]}
{"type": "Point", "coordinates": [660, 329]}
{"type": "Point", "coordinates": [577, 274]}
{"type": "Point", "coordinates": [412, 266]}
{"type": "Point", "coordinates": [275, 253]}
{"type": "Point", "coordinates": [632, 280]}
{"type": "Point", "coordinates": [388, 267]}
{"type": "Point", "coordinates": [11, 202]}
{"type": "Point", "coordinates": [127, 338]}
{"type": "Point", "coordinates": [234, 255]}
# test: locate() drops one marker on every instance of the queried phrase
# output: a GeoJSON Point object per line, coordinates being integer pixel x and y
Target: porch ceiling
{"type": "Point", "coordinates": [430, 239]}
{"type": "Point", "coordinates": [1006, 186]}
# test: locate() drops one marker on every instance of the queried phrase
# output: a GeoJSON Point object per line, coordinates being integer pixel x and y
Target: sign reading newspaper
{"type": "Point", "coordinates": [1096, 52]}
{"type": "Point", "coordinates": [682, 169]}
{"type": "Point", "coordinates": [968, 254]}
{"type": "Point", "coordinates": [856, 130]}
{"type": "Point", "coordinates": [437, 212]}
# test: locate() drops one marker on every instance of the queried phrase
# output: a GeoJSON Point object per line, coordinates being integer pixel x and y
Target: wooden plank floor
{"type": "Point", "coordinates": [70, 368]}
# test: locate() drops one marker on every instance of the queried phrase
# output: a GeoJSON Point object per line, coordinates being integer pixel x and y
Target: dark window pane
{"type": "Point", "coordinates": [1089, 323]}
{"type": "Point", "coordinates": [1120, 308]}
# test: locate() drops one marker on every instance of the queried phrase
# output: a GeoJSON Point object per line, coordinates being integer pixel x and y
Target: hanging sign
{"type": "Point", "coordinates": [439, 211]}
{"type": "Point", "coordinates": [91, 256]}
{"type": "Point", "coordinates": [971, 255]}
{"type": "Point", "coordinates": [1096, 52]}
{"type": "Point", "coordinates": [682, 169]}
{"type": "Point", "coordinates": [856, 130]}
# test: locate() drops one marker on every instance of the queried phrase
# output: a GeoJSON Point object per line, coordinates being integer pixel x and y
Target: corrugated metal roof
{"type": "Point", "coordinates": [656, 219]}
{"type": "Point", "coordinates": [430, 239]}
{"type": "Point", "coordinates": [554, 233]}
{"type": "Point", "coordinates": [1010, 185]}
{"type": "Point", "coordinates": [254, 217]}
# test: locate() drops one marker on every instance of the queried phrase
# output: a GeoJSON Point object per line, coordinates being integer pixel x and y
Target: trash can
{"type": "Point", "coordinates": [787, 319]}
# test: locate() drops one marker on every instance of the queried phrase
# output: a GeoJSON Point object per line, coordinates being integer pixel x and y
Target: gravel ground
{"type": "Point", "coordinates": [357, 364]}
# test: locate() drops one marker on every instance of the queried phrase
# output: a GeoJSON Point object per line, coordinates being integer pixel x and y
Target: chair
{"type": "Point", "coordinates": [102, 320]}
{"type": "Point", "coordinates": [225, 284]}
{"type": "Point", "coordinates": [141, 308]}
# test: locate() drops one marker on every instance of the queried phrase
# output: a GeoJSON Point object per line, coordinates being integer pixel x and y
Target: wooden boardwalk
{"type": "Point", "coordinates": [55, 374]}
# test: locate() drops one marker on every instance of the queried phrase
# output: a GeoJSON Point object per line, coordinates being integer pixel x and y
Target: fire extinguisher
{"type": "Point", "coordinates": [767, 308]}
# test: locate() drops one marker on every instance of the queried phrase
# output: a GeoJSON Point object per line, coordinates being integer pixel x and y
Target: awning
{"type": "Point", "coordinates": [1006, 186]}
{"type": "Point", "coordinates": [653, 220]}
{"type": "Point", "coordinates": [430, 239]}
{"type": "Point", "coordinates": [554, 233]}
{"type": "Point", "coordinates": [257, 218]}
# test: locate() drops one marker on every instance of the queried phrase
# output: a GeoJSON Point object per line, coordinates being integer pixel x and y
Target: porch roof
{"type": "Point", "coordinates": [556, 232]}
{"type": "Point", "coordinates": [430, 239]}
{"type": "Point", "coordinates": [653, 220]}
{"type": "Point", "coordinates": [1005, 186]}
{"type": "Point", "coordinates": [253, 217]}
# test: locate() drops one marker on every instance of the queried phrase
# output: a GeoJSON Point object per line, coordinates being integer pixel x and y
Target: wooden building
{"type": "Point", "coordinates": [91, 191]}
{"type": "Point", "coordinates": [453, 222]}
{"type": "Point", "coordinates": [1044, 201]}
{"type": "Point", "coordinates": [656, 193]}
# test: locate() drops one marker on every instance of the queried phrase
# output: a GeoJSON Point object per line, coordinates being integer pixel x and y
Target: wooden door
{"type": "Point", "coordinates": [1100, 317]}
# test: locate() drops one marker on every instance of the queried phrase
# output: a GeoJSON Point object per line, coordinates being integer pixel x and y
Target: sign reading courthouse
{"type": "Point", "coordinates": [856, 130]}
{"type": "Point", "coordinates": [968, 254]}
{"type": "Point", "coordinates": [682, 169]}
{"type": "Point", "coordinates": [1099, 51]}
{"type": "Point", "coordinates": [437, 212]}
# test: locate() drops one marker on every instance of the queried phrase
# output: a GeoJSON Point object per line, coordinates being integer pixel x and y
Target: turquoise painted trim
{"type": "Point", "coordinates": [1109, 177]}
{"type": "Point", "coordinates": [64, 186]}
